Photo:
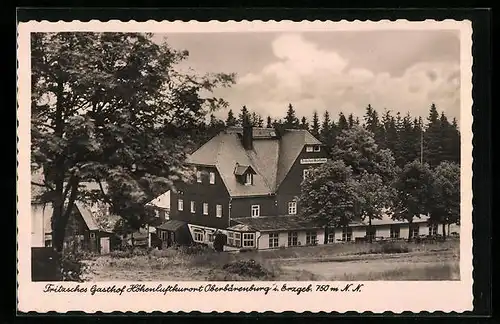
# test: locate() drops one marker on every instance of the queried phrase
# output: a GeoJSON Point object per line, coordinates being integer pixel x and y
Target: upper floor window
{"type": "Point", "coordinates": [249, 179]}
{"type": "Point", "coordinates": [305, 173]}
{"type": "Point", "coordinates": [309, 148]}
{"type": "Point", "coordinates": [317, 148]}
{"type": "Point", "coordinates": [212, 177]}
{"type": "Point", "coordinates": [193, 207]}
{"type": "Point", "coordinates": [180, 205]}
{"type": "Point", "coordinates": [198, 176]}
{"type": "Point", "coordinates": [292, 208]}
{"type": "Point", "coordinates": [218, 211]}
{"type": "Point", "coordinates": [255, 210]}
{"type": "Point", "coordinates": [205, 208]}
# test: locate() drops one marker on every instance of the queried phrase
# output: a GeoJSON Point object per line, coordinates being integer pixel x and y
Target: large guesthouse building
{"type": "Point", "coordinates": [247, 187]}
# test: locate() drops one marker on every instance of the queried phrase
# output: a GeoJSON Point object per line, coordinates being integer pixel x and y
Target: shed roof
{"type": "Point", "coordinates": [172, 225]}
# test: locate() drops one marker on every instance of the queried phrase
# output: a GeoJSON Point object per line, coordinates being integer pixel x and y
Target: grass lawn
{"type": "Point", "coordinates": [399, 261]}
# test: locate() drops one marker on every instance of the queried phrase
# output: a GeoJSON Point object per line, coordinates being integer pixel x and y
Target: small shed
{"type": "Point", "coordinates": [174, 232]}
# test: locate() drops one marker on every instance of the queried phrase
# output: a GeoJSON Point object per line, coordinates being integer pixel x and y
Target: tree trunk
{"type": "Point", "coordinates": [325, 239]}
{"type": "Point", "coordinates": [370, 240]}
{"type": "Point", "coordinates": [60, 215]}
{"type": "Point", "coordinates": [444, 231]}
{"type": "Point", "coordinates": [410, 230]}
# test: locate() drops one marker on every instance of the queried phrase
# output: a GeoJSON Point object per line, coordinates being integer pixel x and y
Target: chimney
{"type": "Point", "coordinates": [247, 134]}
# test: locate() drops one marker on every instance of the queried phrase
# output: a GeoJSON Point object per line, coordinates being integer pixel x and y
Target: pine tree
{"type": "Point", "coordinates": [243, 115]}
{"type": "Point", "coordinates": [342, 124]}
{"type": "Point", "coordinates": [269, 122]}
{"type": "Point", "coordinates": [350, 120]}
{"type": "Point", "coordinates": [390, 131]}
{"type": "Point", "coordinates": [230, 120]}
{"type": "Point", "coordinates": [433, 138]}
{"type": "Point", "coordinates": [325, 128]}
{"type": "Point", "coordinates": [315, 125]}
{"type": "Point", "coordinates": [303, 123]}
{"type": "Point", "coordinates": [291, 121]}
{"type": "Point", "coordinates": [260, 122]}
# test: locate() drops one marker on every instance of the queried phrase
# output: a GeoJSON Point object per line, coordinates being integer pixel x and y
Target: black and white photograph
{"type": "Point", "coordinates": [281, 155]}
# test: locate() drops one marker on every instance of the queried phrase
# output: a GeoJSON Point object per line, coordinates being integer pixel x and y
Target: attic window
{"type": "Point", "coordinates": [309, 148]}
{"type": "Point", "coordinates": [316, 148]}
{"type": "Point", "coordinates": [249, 179]}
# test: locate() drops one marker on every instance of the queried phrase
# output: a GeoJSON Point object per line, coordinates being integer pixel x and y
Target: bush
{"type": "Point", "coordinates": [247, 268]}
{"type": "Point", "coordinates": [195, 249]}
{"type": "Point", "coordinates": [391, 247]}
{"type": "Point", "coordinates": [129, 253]}
{"type": "Point", "coordinates": [72, 266]}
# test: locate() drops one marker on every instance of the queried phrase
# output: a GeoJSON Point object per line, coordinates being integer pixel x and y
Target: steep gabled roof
{"type": "Point", "coordinates": [271, 158]}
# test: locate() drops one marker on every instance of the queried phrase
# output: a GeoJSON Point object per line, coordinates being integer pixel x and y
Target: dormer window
{"type": "Point", "coordinates": [248, 179]}
{"type": "Point", "coordinates": [244, 174]}
{"type": "Point", "coordinates": [316, 148]}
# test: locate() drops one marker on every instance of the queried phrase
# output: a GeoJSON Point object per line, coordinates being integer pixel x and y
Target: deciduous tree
{"type": "Point", "coordinates": [112, 108]}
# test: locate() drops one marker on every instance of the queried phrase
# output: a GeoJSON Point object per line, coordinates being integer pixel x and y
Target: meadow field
{"type": "Point", "coordinates": [343, 262]}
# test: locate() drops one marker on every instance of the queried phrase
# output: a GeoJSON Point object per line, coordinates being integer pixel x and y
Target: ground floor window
{"type": "Point", "coordinates": [433, 228]}
{"type": "Point", "coordinates": [199, 236]}
{"type": "Point", "coordinates": [273, 240]}
{"type": "Point", "coordinates": [414, 230]}
{"type": "Point", "coordinates": [164, 235]}
{"type": "Point", "coordinates": [311, 238]}
{"type": "Point", "coordinates": [331, 237]}
{"type": "Point", "coordinates": [234, 239]}
{"type": "Point", "coordinates": [210, 236]}
{"type": "Point", "coordinates": [248, 239]}
{"type": "Point", "coordinates": [394, 232]}
{"type": "Point", "coordinates": [293, 238]}
{"type": "Point", "coordinates": [346, 234]}
{"type": "Point", "coordinates": [371, 232]}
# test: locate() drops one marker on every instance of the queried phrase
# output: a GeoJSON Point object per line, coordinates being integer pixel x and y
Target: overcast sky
{"type": "Point", "coordinates": [336, 71]}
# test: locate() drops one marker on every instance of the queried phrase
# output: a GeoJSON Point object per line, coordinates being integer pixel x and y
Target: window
{"type": "Point", "coordinates": [292, 208]}
{"type": "Point", "coordinates": [309, 148]}
{"type": "Point", "coordinates": [371, 232]}
{"type": "Point", "coordinates": [157, 213]}
{"type": "Point", "coordinates": [293, 238]}
{"type": "Point", "coordinates": [211, 236]}
{"type": "Point", "coordinates": [433, 228]}
{"type": "Point", "coordinates": [218, 211]}
{"type": "Point", "coordinates": [249, 179]}
{"type": "Point", "coordinates": [305, 173]}
{"type": "Point", "coordinates": [346, 234]}
{"type": "Point", "coordinates": [164, 235]}
{"type": "Point", "coordinates": [317, 148]}
{"type": "Point", "coordinates": [198, 176]}
{"type": "Point", "coordinates": [414, 230]}
{"type": "Point", "coordinates": [248, 239]}
{"type": "Point", "coordinates": [311, 238]}
{"type": "Point", "coordinates": [331, 237]}
{"type": "Point", "coordinates": [205, 208]}
{"type": "Point", "coordinates": [193, 207]}
{"type": "Point", "coordinates": [394, 231]}
{"type": "Point", "coordinates": [234, 239]}
{"type": "Point", "coordinates": [273, 240]}
{"type": "Point", "coordinates": [199, 236]}
{"type": "Point", "coordinates": [212, 177]}
{"type": "Point", "coordinates": [92, 235]}
{"type": "Point", "coordinates": [255, 210]}
{"type": "Point", "coordinates": [180, 205]}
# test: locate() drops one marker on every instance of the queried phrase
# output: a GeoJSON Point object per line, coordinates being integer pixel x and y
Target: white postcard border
{"type": "Point", "coordinates": [376, 296]}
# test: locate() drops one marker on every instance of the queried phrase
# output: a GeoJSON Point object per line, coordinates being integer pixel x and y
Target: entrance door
{"type": "Point", "coordinates": [104, 245]}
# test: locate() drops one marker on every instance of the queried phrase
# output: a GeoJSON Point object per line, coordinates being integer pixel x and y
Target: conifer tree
{"type": "Point", "coordinates": [269, 123]}
{"type": "Point", "coordinates": [303, 123]}
{"type": "Point", "coordinates": [315, 125]}
{"type": "Point", "coordinates": [342, 124]}
{"type": "Point", "coordinates": [244, 113]}
{"type": "Point", "coordinates": [291, 120]}
{"type": "Point", "coordinates": [433, 140]}
{"type": "Point", "coordinates": [230, 120]}
{"type": "Point", "coordinates": [325, 128]}
{"type": "Point", "coordinates": [350, 120]}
